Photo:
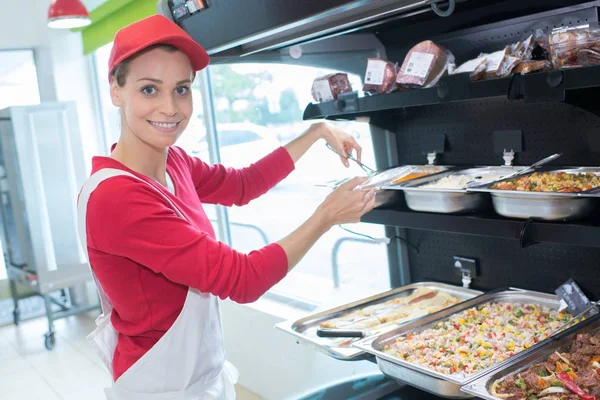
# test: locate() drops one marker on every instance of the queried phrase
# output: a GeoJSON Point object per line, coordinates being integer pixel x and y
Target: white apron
{"type": "Point", "coordinates": [188, 362]}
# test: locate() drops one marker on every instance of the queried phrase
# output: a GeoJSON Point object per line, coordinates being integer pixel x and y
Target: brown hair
{"type": "Point", "coordinates": [121, 71]}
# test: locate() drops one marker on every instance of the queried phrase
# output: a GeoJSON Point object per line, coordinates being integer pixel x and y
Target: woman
{"type": "Point", "coordinates": [151, 247]}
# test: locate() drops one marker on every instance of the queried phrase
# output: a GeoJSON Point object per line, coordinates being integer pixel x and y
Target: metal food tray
{"type": "Point", "coordinates": [385, 179]}
{"type": "Point", "coordinates": [547, 206]}
{"type": "Point", "coordinates": [482, 386]}
{"type": "Point", "coordinates": [304, 330]}
{"type": "Point", "coordinates": [431, 381]}
{"type": "Point", "coordinates": [448, 201]}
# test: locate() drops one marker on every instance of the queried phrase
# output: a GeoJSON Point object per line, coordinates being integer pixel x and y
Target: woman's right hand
{"type": "Point", "coordinates": [346, 205]}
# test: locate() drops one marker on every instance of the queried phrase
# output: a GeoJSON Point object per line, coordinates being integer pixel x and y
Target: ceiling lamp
{"type": "Point", "coordinates": [68, 14]}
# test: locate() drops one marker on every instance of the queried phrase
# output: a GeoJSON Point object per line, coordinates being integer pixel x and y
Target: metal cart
{"type": "Point", "coordinates": [41, 170]}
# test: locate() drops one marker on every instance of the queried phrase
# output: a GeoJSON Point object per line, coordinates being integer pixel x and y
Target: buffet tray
{"type": "Point", "coordinates": [547, 206]}
{"type": "Point", "coordinates": [448, 201]}
{"type": "Point", "coordinates": [304, 330]}
{"type": "Point", "coordinates": [431, 381]}
{"type": "Point", "coordinates": [482, 386]}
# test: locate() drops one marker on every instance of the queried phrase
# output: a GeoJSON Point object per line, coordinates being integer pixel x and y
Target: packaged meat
{"type": "Point", "coordinates": [527, 67]}
{"type": "Point", "coordinates": [507, 66]}
{"type": "Point", "coordinates": [380, 76]}
{"type": "Point", "coordinates": [541, 48]}
{"type": "Point", "coordinates": [424, 65]}
{"type": "Point", "coordinates": [471, 65]}
{"type": "Point", "coordinates": [577, 46]}
{"type": "Point", "coordinates": [492, 67]}
{"type": "Point", "coordinates": [329, 87]}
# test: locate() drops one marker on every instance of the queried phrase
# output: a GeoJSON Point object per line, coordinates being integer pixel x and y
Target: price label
{"type": "Point", "coordinates": [573, 298]}
{"type": "Point", "coordinates": [375, 72]}
{"type": "Point", "coordinates": [419, 64]}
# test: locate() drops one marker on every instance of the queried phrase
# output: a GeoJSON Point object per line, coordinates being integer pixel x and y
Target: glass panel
{"type": "Point", "coordinates": [18, 87]}
{"type": "Point", "coordinates": [267, 100]}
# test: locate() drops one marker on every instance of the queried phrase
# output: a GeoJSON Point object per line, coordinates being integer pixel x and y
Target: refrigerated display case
{"type": "Point", "coordinates": [42, 168]}
{"type": "Point", "coordinates": [463, 123]}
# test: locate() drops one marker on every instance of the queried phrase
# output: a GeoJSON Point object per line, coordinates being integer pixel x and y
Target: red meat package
{"type": "Point", "coordinates": [380, 76]}
{"type": "Point", "coordinates": [329, 87]}
{"type": "Point", "coordinates": [424, 65]}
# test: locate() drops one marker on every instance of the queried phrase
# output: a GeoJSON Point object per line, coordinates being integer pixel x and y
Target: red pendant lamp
{"type": "Point", "coordinates": [68, 14]}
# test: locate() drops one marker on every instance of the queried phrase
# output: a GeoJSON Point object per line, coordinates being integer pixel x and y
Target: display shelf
{"type": "Point", "coordinates": [487, 224]}
{"type": "Point", "coordinates": [536, 87]}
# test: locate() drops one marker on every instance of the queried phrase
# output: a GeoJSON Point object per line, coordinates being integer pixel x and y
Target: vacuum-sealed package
{"type": "Point", "coordinates": [424, 65]}
{"type": "Point", "coordinates": [380, 76]}
{"type": "Point", "coordinates": [329, 87]}
{"type": "Point", "coordinates": [577, 46]}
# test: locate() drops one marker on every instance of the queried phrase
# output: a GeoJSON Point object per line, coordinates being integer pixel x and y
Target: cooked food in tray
{"type": "Point", "coordinates": [420, 302]}
{"type": "Point", "coordinates": [479, 337]}
{"type": "Point", "coordinates": [461, 181]}
{"type": "Point", "coordinates": [561, 182]}
{"type": "Point", "coordinates": [573, 374]}
{"type": "Point", "coordinates": [401, 174]}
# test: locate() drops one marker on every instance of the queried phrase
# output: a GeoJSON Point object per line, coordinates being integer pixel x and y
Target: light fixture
{"type": "Point", "coordinates": [68, 14]}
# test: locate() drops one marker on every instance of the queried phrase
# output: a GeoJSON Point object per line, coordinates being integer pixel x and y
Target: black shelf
{"type": "Point", "coordinates": [536, 87]}
{"type": "Point", "coordinates": [526, 232]}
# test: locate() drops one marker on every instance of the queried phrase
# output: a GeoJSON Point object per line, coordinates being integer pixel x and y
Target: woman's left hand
{"type": "Point", "coordinates": [341, 142]}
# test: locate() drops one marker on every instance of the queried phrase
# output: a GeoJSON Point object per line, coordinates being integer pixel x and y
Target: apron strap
{"type": "Point", "coordinates": [88, 188]}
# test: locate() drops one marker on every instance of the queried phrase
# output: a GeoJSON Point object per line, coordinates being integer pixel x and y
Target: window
{"type": "Point", "coordinates": [18, 79]}
{"type": "Point", "coordinates": [271, 98]}
{"type": "Point", "coordinates": [18, 87]}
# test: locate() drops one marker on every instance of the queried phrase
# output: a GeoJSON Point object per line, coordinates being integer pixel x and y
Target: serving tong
{"type": "Point", "coordinates": [520, 172]}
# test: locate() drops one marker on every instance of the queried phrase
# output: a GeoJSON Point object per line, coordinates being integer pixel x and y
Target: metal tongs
{"type": "Point", "coordinates": [533, 166]}
{"type": "Point", "coordinates": [368, 170]}
{"type": "Point", "coordinates": [523, 171]}
{"type": "Point", "coordinates": [334, 184]}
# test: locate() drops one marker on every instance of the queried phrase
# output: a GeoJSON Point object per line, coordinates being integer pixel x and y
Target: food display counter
{"type": "Point", "coordinates": [482, 84]}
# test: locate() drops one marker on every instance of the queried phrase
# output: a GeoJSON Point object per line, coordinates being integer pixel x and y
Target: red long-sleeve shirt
{"type": "Point", "coordinates": [145, 256]}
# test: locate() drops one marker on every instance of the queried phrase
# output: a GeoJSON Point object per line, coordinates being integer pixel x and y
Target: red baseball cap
{"type": "Point", "coordinates": [152, 30]}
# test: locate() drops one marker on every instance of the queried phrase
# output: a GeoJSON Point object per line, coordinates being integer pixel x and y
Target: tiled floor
{"type": "Point", "coordinates": [69, 372]}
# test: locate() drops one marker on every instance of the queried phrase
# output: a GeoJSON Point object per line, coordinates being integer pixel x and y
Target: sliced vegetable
{"type": "Point", "coordinates": [554, 389]}
{"type": "Point", "coordinates": [572, 386]}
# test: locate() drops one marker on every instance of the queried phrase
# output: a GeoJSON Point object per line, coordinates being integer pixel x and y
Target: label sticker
{"type": "Point", "coordinates": [375, 72]}
{"type": "Point", "coordinates": [419, 64]}
{"type": "Point", "coordinates": [323, 90]}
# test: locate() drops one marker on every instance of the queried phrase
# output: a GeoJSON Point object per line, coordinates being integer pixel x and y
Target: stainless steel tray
{"type": "Point", "coordinates": [482, 386]}
{"type": "Point", "coordinates": [304, 330]}
{"type": "Point", "coordinates": [432, 381]}
{"type": "Point", "coordinates": [548, 206]}
{"type": "Point", "coordinates": [448, 201]}
{"type": "Point", "coordinates": [386, 178]}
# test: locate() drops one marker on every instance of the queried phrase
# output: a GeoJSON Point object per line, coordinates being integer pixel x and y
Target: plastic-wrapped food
{"type": "Point", "coordinates": [329, 87]}
{"type": "Point", "coordinates": [380, 76]}
{"type": "Point", "coordinates": [471, 66]}
{"type": "Point", "coordinates": [493, 64]}
{"type": "Point", "coordinates": [577, 46]}
{"type": "Point", "coordinates": [541, 48]}
{"type": "Point", "coordinates": [424, 65]}
{"type": "Point", "coordinates": [507, 66]}
{"type": "Point", "coordinates": [527, 67]}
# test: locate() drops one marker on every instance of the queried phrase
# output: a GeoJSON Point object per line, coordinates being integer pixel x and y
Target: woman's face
{"type": "Point", "coordinates": [156, 100]}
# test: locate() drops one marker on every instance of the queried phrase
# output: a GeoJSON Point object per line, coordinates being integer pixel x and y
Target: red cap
{"type": "Point", "coordinates": [152, 30]}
